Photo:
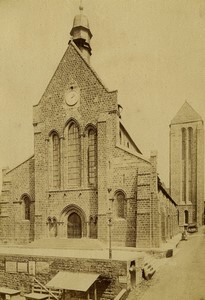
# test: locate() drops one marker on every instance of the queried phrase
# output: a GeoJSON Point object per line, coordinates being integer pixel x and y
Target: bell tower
{"type": "Point", "coordinates": [81, 34]}
{"type": "Point", "coordinates": [187, 164]}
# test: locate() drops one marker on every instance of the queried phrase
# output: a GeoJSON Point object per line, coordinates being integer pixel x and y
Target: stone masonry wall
{"type": "Point", "coordinates": [17, 183]}
{"type": "Point", "coordinates": [200, 173]}
{"type": "Point", "coordinates": [168, 216]}
{"type": "Point", "coordinates": [18, 272]}
{"type": "Point", "coordinates": [53, 113]}
{"type": "Point", "coordinates": [124, 168]}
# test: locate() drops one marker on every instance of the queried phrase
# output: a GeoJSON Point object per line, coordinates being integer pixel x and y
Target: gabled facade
{"type": "Point", "coordinates": [86, 168]}
{"type": "Point", "coordinates": [187, 164]}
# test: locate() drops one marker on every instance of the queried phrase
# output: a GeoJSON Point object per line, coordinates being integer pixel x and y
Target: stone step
{"type": "Point", "coordinates": [151, 266]}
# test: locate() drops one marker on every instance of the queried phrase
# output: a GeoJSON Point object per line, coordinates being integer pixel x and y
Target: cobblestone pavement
{"type": "Point", "coordinates": [182, 277]}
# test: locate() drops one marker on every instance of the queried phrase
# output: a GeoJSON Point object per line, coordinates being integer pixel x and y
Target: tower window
{"type": "Point", "coordinates": [73, 155]}
{"type": "Point", "coordinates": [184, 164]}
{"type": "Point", "coordinates": [190, 161]}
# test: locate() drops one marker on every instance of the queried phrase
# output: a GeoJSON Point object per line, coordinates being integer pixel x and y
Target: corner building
{"type": "Point", "coordinates": [187, 165]}
{"type": "Point", "coordinates": [86, 168]}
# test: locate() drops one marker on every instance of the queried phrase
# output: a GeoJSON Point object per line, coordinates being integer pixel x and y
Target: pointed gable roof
{"type": "Point", "coordinates": [72, 45]}
{"type": "Point", "coordinates": [91, 68]}
{"type": "Point", "coordinates": [186, 114]}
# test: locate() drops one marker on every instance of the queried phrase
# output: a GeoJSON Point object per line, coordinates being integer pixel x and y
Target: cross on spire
{"type": "Point", "coordinates": [81, 6]}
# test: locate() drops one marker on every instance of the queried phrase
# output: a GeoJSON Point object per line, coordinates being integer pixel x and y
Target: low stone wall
{"type": "Point", "coordinates": [19, 271]}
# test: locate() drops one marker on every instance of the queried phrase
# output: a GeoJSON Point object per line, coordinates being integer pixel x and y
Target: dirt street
{"type": "Point", "coordinates": [182, 277]}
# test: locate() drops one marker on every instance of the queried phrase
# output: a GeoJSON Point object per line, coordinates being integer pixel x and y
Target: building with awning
{"type": "Point", "coordinates": [73, 284]}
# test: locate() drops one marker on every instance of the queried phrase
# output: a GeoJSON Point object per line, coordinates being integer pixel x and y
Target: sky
{"type": "Point", "coordinates": [151, 51]}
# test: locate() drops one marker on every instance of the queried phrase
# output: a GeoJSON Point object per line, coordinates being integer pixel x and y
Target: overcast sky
{"type": "Point", "coordinates": [152, 52]}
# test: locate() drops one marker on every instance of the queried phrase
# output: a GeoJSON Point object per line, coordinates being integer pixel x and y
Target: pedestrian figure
{"type": "Point", "coordinates": [184, 236]}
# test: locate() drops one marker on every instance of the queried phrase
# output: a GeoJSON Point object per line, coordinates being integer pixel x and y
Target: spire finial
{"type": "Point", "coordinates": [81, 6]}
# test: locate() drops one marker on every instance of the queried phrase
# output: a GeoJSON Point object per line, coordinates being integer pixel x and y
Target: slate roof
{"type": "Point", "coordinates": [186, 114]}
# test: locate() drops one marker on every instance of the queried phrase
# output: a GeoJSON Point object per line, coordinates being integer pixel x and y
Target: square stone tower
{"type": "Point", "coordinates": [187, 164]}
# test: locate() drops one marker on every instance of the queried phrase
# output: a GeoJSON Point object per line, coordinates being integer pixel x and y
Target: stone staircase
{"type": "Point", "coordinates": [39, 288]}
{"type": "Point", "coordinates": [150, 266]}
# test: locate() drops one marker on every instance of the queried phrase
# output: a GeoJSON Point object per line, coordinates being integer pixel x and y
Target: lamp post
{"type": "Point", "coordinates": [109, 216]}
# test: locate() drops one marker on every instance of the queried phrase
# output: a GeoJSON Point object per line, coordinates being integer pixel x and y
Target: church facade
{"type": "Point", "coordinates": [187, 165]}
{"type": "Point", "coordinates": [87, 176]}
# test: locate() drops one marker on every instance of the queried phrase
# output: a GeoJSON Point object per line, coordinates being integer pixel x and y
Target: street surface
{"type": "Point", "coordinates": [76, 248]}
{"type": "Point", "coordinates": [181, 277]}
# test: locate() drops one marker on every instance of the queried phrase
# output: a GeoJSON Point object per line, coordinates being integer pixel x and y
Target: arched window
{"type": "Point", "coordinates": [120, 205]}
{"type": "Point", "coordinates": [184, 165]}
{"type": "Point", "coordinates": [190, 133]}
{"type": "Point", "coordinates": [92, 157]}
{"type": "Point", "coordinates": [27, 208]}
{"type": "Point", "coordinates": [177, 217]}
{"type": "Point", "coordinates": [56, 160]}
{"type": "Point", "coordinates": [190, 159]}
{"type": "Point", "coordinates": [120, 136]}
{"type": "Point", "coordinates": [186, 217]}
{"type": "Point", "coordinates": [73, 155]}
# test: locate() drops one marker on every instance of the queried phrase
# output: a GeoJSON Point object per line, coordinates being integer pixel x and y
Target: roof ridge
{"type": "Point", "coordinates": [186, 114]}
{"type": "Point", "coordinates": [91, 68]}
{"type": "Point", "coordinates": [23, 162]}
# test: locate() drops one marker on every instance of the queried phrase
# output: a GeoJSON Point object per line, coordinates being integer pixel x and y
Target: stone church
{"type": "Point", "coordinates": [187, 164]}
{"type": "Point", "coordinates": [87, 176]}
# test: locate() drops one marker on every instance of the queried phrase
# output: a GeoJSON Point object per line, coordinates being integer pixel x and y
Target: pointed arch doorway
{"type": "Point", "coordinates": [74, 226]}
